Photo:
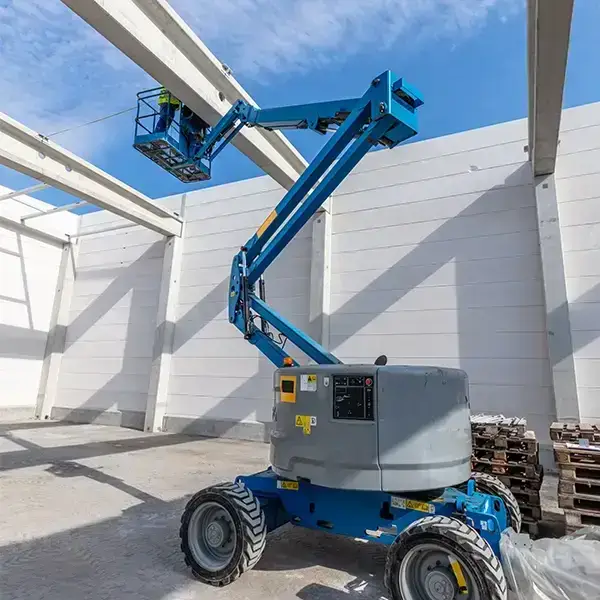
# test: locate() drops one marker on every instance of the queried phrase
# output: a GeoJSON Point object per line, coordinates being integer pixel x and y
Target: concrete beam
{"type": "Point", "coordinates": [57, 334]}
{"type": "Point", "coordinates": [152, 35]}
{"type": "Point", "coordinates": [30, 190]}
{"type": "Point", "coordinates": [320, 276]}
{"type": "Point", "coordinates": [548, 32]}
{"type": "Point", "coordinates": [15, 225]}
{"type": "Point", "coordinates": [26, 151]}
{"type": "Point", "coordinates": [558, 323]}
{"type": "Point", "coordinates": [164, 336]}
{"type": "Point", "coordinates": [53, 211]}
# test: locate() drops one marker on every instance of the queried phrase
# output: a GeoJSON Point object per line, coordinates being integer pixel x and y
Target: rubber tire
{"type": "Point", "coordinates": [250, 525]}
{"type": "Point", "coordinates": [488, 484]}
{"type": "Point", "coordinates": [461, 540]}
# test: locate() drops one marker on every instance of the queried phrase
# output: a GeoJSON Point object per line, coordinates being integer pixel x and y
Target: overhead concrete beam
{"type": "Point", "coordinates": [153, 35]}
{"type": "Point", "coordinates": [30, 190]}
{"type": "Point", "coordinates": [53, 211]}
{"type": "Point", "coordinates": [15, 225]}
{"type": "Point", "coordinates": [548, 32]}
{"type": "Point", "coordinates": [26, 151]}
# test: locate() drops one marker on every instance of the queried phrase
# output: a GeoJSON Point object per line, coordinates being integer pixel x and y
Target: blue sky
{"type": "Point", "coordinates": [466, 56]}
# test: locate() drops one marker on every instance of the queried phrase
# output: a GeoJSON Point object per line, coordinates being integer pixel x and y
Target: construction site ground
{"type": "Point", "coordinates": [88, 511]}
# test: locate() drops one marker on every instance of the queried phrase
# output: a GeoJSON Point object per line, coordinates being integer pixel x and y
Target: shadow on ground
{"type": "Point", "coordinates": [135, 554]}
{"type": "Point", "coordinates": [355, 589]}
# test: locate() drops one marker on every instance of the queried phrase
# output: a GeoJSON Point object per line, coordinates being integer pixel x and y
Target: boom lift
{"type": "Point", "coordinates": [376, 452]}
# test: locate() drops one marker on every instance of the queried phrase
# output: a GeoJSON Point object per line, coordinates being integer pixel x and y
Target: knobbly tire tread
{"type": "Point", "coordinates": [460, 539]}
{"type": "Point", "coordinates": [488, 484]}
{"type": "Point", "coordinates": [251, 531]}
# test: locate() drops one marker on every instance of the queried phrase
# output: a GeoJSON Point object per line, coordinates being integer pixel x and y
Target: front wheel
{"type": "Point", "coordinates": [223, 533]}
{"type": "Point", "coordinates": [440, 558]}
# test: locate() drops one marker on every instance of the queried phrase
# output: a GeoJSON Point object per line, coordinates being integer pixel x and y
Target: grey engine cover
{"type": "Point", "coordinates": [367, 427]}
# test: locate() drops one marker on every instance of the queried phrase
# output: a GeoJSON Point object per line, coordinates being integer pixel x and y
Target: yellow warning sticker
{"type": "Point", "coordinates": [407, 504]}
{"type": "Point", "coordinates": [308, 383]}
{"type": "Point", "coordinates": [288, 485]}
{"type": "Point", "coordinates": [306, 422]}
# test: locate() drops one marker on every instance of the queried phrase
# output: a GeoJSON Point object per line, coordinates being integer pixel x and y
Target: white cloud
{"type": "Point", "coordinates": [56, 71]}
{"type": "Point", "coordinates": [270, 36]}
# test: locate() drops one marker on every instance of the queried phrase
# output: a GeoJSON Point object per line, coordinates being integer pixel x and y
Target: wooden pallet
{"type": "Point", "coordinates": [526, 496]}
{"type": "Point", "coordinates": [519, 481]}
{"type": "Point", "coordinates": [575, 519]}
{"type": "Point", "coordinates": [569, 432]}
{"type": "Point", "coordinates": [583, 502]}
{"type": "Point", "coordinates": [531, 513]}
{"type": "Point", "coordinates": [575, 486]}
{"type": "Point", "coordinates": [527, 444]}
{"type": "Point", "coordinates": [530, 527]}
{"type": "Point", "coordinates": [499, 424]}
{"type": "Point", "coordinates": [506, 456]}
{"type": "Point", "coordinates": [575, 455]}
{"type": "Point", "coordinates": [575, 472]}
{"type": "Point", "coordinates": [510, 470]}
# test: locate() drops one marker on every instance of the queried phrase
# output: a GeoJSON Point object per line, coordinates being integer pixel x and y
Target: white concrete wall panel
{"type": "Point", "coordinates": [578, 192]}
{"type": "Point", "coordinates": [215, 373]}
{"type": "Point", "coordinates": [28, 276]}
{"type": "Point", "coordinates": [108, 352]}
{"type": "Point", "coordinates": [436, 261]}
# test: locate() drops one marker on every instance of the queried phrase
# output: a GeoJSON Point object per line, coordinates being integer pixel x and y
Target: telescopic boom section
{"type": "Point", "coordinates": [385, 115]}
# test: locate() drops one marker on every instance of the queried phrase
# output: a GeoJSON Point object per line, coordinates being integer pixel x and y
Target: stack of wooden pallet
{"type": "Point", "coordinates": [503, 447]}
{"type": "Point", "coordinates": [577, 454]}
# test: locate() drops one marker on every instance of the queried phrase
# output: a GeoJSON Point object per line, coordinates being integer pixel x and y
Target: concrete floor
{"type": "Point", "coordinates": [93, 512]}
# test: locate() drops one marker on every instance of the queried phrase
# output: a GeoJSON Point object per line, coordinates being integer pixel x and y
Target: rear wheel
{"type": "Point", "coordinates": [223, 533]}
{"type": "Point", "coordinates": [440, 558]}
{"type": "Point", "coordinates": [488, 484]}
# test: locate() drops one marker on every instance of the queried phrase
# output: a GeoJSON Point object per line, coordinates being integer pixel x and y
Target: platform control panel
{"type": "Point", "coordinates": [353, 397]}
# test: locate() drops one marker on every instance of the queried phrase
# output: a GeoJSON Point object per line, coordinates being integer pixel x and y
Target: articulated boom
{"type": "Point", "coordinates": [385, 115]}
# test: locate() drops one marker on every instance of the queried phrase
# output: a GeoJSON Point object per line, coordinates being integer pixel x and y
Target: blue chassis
{"type": "Point", "coordinates": [358, 514]}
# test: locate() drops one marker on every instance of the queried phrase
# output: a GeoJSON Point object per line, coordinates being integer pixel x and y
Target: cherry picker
{"type": "Point", "coordinates": [376, 452]}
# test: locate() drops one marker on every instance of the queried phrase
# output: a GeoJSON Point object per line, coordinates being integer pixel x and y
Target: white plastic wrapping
{"type": "Point", "coordinates": [567, 568]}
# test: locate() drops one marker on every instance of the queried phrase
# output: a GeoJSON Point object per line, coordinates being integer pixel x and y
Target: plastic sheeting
{"type": "Point", "coordinates": [567, 568]}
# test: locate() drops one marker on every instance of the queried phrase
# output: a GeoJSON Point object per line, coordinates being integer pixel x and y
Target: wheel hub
{"type": "Point", "coordinates": [439, 585]}
{"type": "Point", "coordinates": [211, 535]}
{"type": "Point", "coordinates": [426, 573]}
{"type": "Point", "coordinates": [215, 534]}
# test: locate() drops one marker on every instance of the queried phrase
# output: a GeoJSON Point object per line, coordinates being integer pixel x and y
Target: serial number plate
{"type": "Point", "coordinates": [406, 504]}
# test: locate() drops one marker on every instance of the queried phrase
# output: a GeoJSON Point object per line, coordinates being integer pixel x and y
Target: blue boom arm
{"type": "Point", "coordinates": [385, 115]}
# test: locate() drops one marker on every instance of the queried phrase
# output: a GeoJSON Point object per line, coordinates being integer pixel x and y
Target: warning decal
{"type": "Point", "coordinates": [308, 383]}
{"type": "Point", "coordinates": [406, 504]}
{"type": "Point", "coordinates": [287, 485]}
{"type": "Point", "coordinates": [306, 422]}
